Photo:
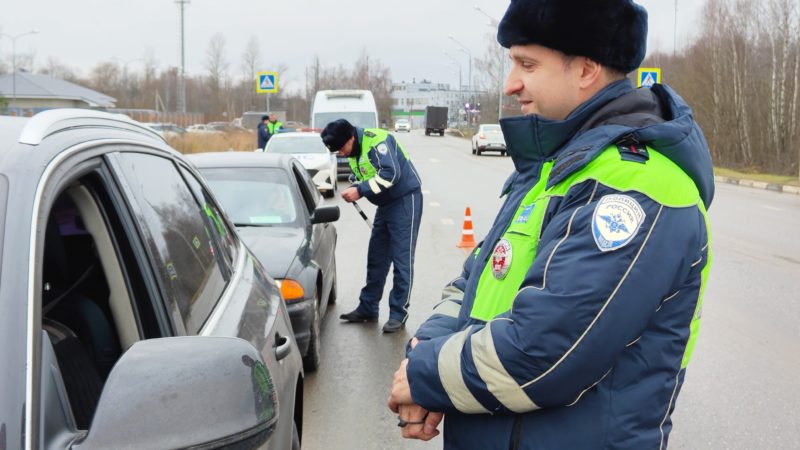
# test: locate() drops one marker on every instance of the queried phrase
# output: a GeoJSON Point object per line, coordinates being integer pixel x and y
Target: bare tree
{"type": "Point", "coordinates": [56, 68]}
{"type": "Point", "coordinates": [217, 67]}
{"type": "Point", "coordinates": [491, 76]}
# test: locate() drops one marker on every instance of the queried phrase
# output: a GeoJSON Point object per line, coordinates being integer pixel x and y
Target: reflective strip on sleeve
{"type": "Point", "coordinates": [448, 308]}
{"type": "Point", "coordinates": [382, 182]}
{"type": "Point", "coordinates": [374, 186]}
{"type": "Point", "coordinates": [452, 378]}
{"type": "Point", "coordinates": [497, 379]}
{"type": "Point", "coordinates": [452, 293]}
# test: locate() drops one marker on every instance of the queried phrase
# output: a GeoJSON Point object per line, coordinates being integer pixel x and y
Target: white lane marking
{"type": "Point", "coordinates": [448, 222]}
{"type": "Point", "coordinates": [773, 208]}
{"type": "Point", "coordinates": [434, 160]}
{"type": "Point", "coordinates": [435, 204]}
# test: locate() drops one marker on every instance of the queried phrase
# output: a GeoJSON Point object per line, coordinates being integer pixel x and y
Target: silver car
{"type": "Point", "coordinates": [131, 313]}
{"type": "Point", "coordinates": [489, 138]}
{"type": "Point", "coordinates": [308, 148]}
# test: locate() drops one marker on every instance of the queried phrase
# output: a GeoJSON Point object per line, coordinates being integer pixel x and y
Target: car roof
{"type": "Point", "coordinates": [50, 132]}
{"type": "Point", "coordinates": [240, 159]}
{"type": "Point", "coordinates": [302, 134]}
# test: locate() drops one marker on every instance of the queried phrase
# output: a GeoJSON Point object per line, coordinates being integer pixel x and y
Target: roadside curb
{"type": "Point", "coordinates": [784, 188]}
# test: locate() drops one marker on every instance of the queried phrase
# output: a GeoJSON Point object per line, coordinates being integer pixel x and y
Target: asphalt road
{"type": "Point", "coordinates": [740, 390]}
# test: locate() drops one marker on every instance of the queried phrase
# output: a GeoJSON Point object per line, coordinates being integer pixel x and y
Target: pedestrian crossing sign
{"type": "Point", "coordinates": [267, 82]}
{"type": "Point", "coordinates": [648, 76]}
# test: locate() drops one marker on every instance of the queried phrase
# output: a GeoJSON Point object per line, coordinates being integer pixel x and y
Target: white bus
{"type": "Point", "coordinates": [355, 106]}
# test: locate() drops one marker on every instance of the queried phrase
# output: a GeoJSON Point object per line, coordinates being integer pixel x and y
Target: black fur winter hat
{"type": "Point", "coordinates": [611, 32]}
{"type": "Point", "coordinates": [336, 134]}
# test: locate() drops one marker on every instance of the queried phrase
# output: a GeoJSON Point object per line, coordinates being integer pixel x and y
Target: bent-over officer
{"type": "Point", "coordinates": [386, 177]}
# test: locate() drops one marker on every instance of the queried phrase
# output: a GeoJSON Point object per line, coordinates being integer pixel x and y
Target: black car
{"type": "Point", "coordinates": [131, 313]}
{"type": "Point", "coordinates": [278, 211]}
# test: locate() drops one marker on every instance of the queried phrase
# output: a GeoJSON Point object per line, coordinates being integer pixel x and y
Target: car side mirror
{"type": "Point", "coordinates": [325, 214]}
{"type": "Point", "coordinates": [180, 392]}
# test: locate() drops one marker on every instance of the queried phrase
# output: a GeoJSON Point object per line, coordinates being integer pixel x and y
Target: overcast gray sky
{"type": "Point", "coordinates": [408, 36]}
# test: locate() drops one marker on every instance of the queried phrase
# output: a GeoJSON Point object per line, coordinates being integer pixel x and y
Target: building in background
{"type": "Point", "coordinates": [35, 92]}
{"type": "Point", "coordinates": [409, 101]}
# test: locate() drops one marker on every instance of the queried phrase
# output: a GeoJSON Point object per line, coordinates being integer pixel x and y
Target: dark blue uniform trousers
{"type": "Point", "coordinates": [393, 241]}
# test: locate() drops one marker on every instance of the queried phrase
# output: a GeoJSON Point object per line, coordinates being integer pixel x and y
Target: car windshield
{"type": "Point", "coordinates": [254, 196]}
{"type": "Point", "coordinates": [296, 144]}
{"type": "Point", "coordinates": [402, 121]}
{"type": "Point", "coordinates": [491, 128]}
{"type": "Point", "coordinates": [358, 119]}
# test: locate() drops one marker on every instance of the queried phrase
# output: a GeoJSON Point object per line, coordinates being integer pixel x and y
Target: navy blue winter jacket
{"type": "Point", "coordinates": [593, 351]}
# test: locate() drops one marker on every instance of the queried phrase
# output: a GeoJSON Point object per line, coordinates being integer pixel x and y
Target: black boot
{"type": "Point", "coordinates": [356, 317]}
{"type": "Point", "coordinates": [393, 325]}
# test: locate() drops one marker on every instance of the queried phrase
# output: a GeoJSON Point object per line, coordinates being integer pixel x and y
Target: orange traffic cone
{"type": "Point", "coordinates": [468, 235]}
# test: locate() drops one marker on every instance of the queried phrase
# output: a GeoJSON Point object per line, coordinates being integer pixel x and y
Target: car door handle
{"type": "Point", "coordinates": [283, 346]}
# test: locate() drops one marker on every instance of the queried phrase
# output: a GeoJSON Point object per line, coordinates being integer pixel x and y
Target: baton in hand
{"type": "Point", "coordinates": [363, 215]}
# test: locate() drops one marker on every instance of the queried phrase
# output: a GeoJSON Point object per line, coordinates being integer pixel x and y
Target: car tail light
{"type": "Point", "coordinates": [482, 136]}
{"type": "Point", "coordinates": [291, 290]}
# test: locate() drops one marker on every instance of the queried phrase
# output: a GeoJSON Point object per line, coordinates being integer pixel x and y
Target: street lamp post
{"type": "Point", "coordinates": [455, 62]}
{"type": "Point", "coordinates": [496, 24]}
{"type": "Point", "coordinates": [14, 61]}
{"type": "Point", "coordinates": [466, 50]}
{"type": "Point", "coordinates": [456, 69]}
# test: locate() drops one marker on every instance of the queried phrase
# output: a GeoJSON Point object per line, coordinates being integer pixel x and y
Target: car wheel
{"type": "Point", "coordinates": [478, 151]}
{"type": "Point", "coordinates": [328, 194]}
{"type": "Point", "coordinates": [473, 149]}
{"type": "Point", "coordinates": [312, 357]}
{"type": "Point", "coordinates": [295, 437]}
{"type": "Point", "coordinates": [502, 153]}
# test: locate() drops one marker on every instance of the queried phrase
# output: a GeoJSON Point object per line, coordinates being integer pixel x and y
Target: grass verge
{"type": "Point", "coordinates": [755, 176]}
{"type": "Point", "coordinates": [216, 142]}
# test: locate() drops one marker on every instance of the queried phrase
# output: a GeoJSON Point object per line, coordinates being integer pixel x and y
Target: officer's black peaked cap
{"type": "Point", "coordinates": [611, 32]}
{"type": "Point", "coordinates": [336, 134]}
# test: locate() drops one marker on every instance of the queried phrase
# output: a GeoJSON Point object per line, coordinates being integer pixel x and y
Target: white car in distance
{"type": "Point", "coordinates": [201, 129]}
{"type": "Point", "coordinates": [312, 154]}
{"type": "Point", "coordinates": [489, 138]}
{"type": "Point", "coordinates": [402, 125]}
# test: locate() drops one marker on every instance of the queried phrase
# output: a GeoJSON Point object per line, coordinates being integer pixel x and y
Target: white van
{"type": "Point", "coordinates": [355, 106]}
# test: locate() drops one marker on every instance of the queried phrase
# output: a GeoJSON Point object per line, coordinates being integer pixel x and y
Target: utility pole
{"type": "Point", "coordinates": [675, 31]}
{"type": "Point", "coordinates": [182, 75]}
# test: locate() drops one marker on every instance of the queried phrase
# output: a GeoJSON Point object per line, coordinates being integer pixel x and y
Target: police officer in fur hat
{"type": "Point", "coordinates": [385, 176]}
{"type": "Point", "coordinates": [573, 323]}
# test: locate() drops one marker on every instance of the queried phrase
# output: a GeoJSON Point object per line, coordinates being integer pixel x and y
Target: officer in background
{"type": "Point", "coordinates": [263, 132]}
{"type": "Point", "coordinates": [386, 177]}
{"type": "Point", "coordinates": [572, 325]}
{"type": "Point", "coordinates": [273, 126]}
